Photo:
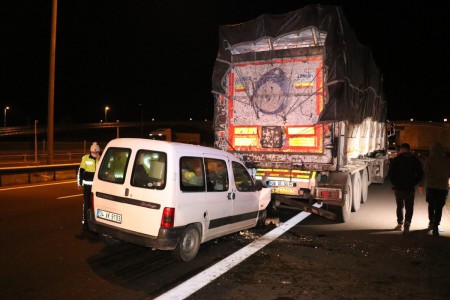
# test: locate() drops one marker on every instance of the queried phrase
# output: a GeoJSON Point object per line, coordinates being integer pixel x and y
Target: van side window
{"type": "Point", "coordinates": [216, 175]}
{"type": "Point", "coordinates": [149, 170]}
{"type": "Point", "coordinates": [242, 179]}
{"type": "Point", "coordinates": [114, 165]}
{"type": "Point", "coordinates": [192, 175]}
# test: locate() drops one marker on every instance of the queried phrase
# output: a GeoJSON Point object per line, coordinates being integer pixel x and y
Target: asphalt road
{"type": "Point", "coordinates": [45, 255]}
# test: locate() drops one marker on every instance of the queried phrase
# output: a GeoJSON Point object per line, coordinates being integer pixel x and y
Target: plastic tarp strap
{"type": "Point", "coordinates": [353, 80]}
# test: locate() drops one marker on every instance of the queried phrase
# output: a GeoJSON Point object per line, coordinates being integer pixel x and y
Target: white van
{"type": "Point", "coordinates": [172, 196]}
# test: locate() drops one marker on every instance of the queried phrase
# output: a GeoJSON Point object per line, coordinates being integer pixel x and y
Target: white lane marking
{"type": "Point", "coordinates": [195, 283]}
{"type": "Point", "coordinates": [38, 185]}
{"type": "Point", "coordinates": [70, 196]}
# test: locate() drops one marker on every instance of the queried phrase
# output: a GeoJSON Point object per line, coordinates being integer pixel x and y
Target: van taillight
{"type": "Point", "coordinates": [168, 217]}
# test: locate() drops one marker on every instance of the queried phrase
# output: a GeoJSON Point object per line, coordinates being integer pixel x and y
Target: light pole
{"type": "Point", "coordinates": [142, 119]}
{"type": "Point", "coordinates": [35, 140]}
{"type": "Point", "coordinates": [106, 113]}
{"type": "Point", "coordinates": [4, 116]}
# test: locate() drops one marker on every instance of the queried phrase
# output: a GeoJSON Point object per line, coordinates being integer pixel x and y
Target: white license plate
{"type": "Point", "coordinates": [102, 214]}
{"type": "Point", "coordinates": [281, 183]}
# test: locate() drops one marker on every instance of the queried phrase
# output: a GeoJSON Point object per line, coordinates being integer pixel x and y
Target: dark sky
{"type": "Point", "coordinates": [161, 53]}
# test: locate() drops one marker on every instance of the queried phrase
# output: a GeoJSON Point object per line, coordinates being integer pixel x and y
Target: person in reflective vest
{"type": "Point", "coordinates": [85, 178]}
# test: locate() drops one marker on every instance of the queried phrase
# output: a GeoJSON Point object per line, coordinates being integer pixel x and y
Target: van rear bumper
{"type": "Point", "coordinates": [167, 238]}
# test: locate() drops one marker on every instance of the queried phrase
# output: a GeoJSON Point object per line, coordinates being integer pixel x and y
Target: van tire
{"type": "Point", "coordinates": [188, 245]}
{"type": "Point", "coordinates": [262, 216]}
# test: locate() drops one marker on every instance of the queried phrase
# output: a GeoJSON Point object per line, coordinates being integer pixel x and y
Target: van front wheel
{"type": "Point", "coordinates": [188, 245]}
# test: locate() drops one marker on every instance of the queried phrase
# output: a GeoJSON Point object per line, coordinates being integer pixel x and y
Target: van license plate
{"type": "Point", "coordinates": [102, 214]}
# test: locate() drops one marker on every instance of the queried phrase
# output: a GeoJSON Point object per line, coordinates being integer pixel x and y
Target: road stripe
{"type": "Point", "coordinates": [200, 280]}
{"type": "Point", "coordinates": [70, 196]}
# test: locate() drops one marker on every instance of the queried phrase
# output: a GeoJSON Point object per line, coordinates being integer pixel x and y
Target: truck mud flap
{"type": "Point", "coordinates": [306, 207]}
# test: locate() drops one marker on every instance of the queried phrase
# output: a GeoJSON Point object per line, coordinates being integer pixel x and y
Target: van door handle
{"type": "Point", "coordinates": [231, 196]}
{"type": "Point", "coordinates": [127, 191]}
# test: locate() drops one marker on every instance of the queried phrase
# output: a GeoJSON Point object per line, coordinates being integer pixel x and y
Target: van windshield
{"type": "Point", "coordinates": [114, 165]}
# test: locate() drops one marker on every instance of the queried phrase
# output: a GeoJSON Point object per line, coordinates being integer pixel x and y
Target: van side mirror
{"type": "Point", "coordinates": [259, 185]}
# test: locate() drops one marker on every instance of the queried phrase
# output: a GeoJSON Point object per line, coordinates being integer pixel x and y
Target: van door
{"type": "Point", "coordinates": [219, 199]}
{"type": "Point", "coordinates": [132, 190]}
{"type": "Point", "coordinates": [245, 204]}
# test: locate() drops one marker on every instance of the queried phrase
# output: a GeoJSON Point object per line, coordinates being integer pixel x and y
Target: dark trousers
{"type": "Point", "coordinates": [86, 202]}
{"type": "Point", "coordinates": [436, 201]}
{"type": "Point", "coordinates": [405, 199]}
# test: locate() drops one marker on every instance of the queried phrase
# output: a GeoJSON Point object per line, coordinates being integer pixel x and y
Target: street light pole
{"type": "Point", "coordinates": [142, 120]}
{"type": "Point", "coordinates": [4, 116]}
{"type": "Point", "coordinates": [35, 141]}
{"type": "Point", "coordinates": [106, 113]}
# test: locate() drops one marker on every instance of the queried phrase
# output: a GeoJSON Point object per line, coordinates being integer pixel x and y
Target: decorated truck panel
{"type": "Point", "coordinates": [301, 101]}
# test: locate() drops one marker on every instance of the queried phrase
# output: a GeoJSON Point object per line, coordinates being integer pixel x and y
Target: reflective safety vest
{"type": "Point", "coordinates": [86, 171]}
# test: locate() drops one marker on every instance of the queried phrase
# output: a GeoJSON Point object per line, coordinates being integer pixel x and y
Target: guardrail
{"type": "Point", "coordinates": [38, 173]}
{"type": "Point", "coordinates": [27, 158]}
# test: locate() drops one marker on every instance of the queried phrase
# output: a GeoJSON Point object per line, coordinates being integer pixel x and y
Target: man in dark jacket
{"type": "Point", "coordinates": [437, 172]}
{"type": "Point", "coordinates": [405, 173]}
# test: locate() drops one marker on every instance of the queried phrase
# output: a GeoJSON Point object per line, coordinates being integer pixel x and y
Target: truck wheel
{"type": "Point", "coordinates": [364, 186]}
{"type": "Point", "coordinates": [188, 245]}
{"type": "Point", "coordinates": [343, 212]}
{"type": "Point", "coordinates": [356, 188]}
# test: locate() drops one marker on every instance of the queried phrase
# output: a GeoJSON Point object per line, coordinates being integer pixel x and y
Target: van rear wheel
{"type": "Point", "coordinates": [188, 245]}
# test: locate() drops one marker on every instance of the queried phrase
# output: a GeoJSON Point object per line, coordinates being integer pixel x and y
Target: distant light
{"type": "Point", "coordinates": [206, 120]}
{"type": "Point", "coordinates": [411, 119]}
{"type": "Point", "coordinates": [429, 121]}
{"type": "Point", "coordinates": [190, 119]}
{"type": "Point", "coordinates": [445, 120]}
{"type": "Point", "coordinates": [153, 119]}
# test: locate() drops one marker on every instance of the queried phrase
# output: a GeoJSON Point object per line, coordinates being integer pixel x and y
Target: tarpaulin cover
{"type": "Point", "coordinates": [352, 79]}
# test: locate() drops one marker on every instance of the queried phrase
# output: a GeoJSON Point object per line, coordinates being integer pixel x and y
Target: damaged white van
{"type": "Point", "coordinates": [172, 196]}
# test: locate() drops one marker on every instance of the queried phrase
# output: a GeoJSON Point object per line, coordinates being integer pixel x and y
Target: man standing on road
{"type": "Point", "coordinates": [405, 173]}
{"type": "Point", "coordinates": [437, 172]}
{"type": "Point", "coordinates": [85, 178]}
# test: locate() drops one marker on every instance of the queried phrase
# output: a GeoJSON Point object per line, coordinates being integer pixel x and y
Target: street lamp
{"type": "Point", "coordinates": [106, 113]}
{"type": "Point", "coordinates": [4, 116]}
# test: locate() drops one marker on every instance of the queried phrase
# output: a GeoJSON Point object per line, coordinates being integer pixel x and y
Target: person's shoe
{"type": "Point", "coordinates": [430, 225]}
{"type": "Point", "coordinates": [398, 227]}
{"type": "Point", "coordinates": [435, 231]}
{"type": "Point", "coordinates": [406, 229]}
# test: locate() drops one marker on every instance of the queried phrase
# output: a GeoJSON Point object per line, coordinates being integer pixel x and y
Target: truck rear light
{"type": "Point", "coordinates": [328, 194]}
{"type": "Point", "coordinates": [168, 217]}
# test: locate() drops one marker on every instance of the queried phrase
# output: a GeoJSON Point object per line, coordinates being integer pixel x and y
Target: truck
{"type": "Point", "coordinates": [301, 102]}
{"type": "Point", "coordinates": [419, 135]}
{"type": "Point", "coordinates": [167, 134]}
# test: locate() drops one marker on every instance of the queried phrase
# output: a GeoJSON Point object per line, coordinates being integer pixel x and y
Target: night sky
{"type": "Point", "coordinates": [160, 54]}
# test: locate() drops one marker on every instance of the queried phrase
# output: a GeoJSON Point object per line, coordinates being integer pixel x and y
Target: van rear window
{"type": "Point", "coordinates": [149, 170]}
{"type": "Point", "coordinates": [114, 165]}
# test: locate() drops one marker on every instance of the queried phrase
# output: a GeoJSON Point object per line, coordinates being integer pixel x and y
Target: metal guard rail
{"type": "Point", "coordinates": [36, 169]}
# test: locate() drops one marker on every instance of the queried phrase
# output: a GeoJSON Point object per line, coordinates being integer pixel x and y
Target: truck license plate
{"type": "Point", "coordinates": [106, 215]}
{"type": "Point", "coordinates": [281, 183]}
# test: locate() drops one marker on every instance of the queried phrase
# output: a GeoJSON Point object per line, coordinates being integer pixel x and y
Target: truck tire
{"type": "Point", "coordinates": [188, 245]}
{"type": "Point", "coordinates": [364, 186]}
{"type": "Point", "coordinates": [343, 212]}
{"type": "Point", "coordinates": [356, 188]}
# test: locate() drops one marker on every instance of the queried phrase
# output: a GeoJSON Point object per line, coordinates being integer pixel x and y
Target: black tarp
{"type": "Point", "coordinates": [353, 80]}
